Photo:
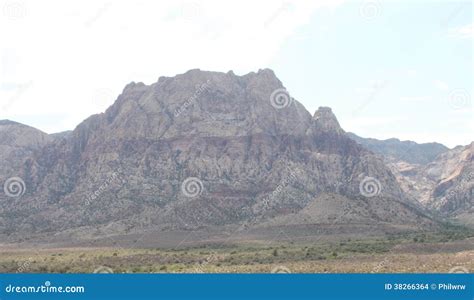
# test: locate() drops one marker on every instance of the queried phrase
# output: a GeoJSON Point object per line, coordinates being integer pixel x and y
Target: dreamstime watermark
{"type": "Point", "coordinates": [24, 266]}
{"type": "Point", "coordinates": [14, 10]}
{"type": "Point", "coordinates": [46, 288]}
{"type": "Point", "coordinates": [103, 270]}
{"type": "Point", "coordinates": [210, 259]}
{"type": "Point", "coordinates": [192, 187]}
{"type": "Point", "coordinates": [370, 187]}
{"type": "Point", "coordinates": [199, 90]}
{"type": "Point", "coordinates": [14, 187]}
{"type": "Point", "coordinates": [381, 265]}
{"type": "Point", "coordinates": [280, 98]}
{"type": "Point", "coordinates": [115, 177]}
{"type": "Point", "coordinates": [454, 13]}
{"type": "Point", "coordinates": [102, 97]}
{"type": "Point", "coordinates": [265, 204]}
{"type": "Point", "coordinates": [459, 99]}
{"type": "Point", "coordinates": [459, 270]}
{"type": "Point", "coordinates": [281, 270]}
{"type": "Point", "coordinates": [370, 9]}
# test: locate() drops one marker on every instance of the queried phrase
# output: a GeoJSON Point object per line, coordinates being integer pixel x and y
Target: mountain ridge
{"type": "Point", "coordinates": [409, 151]}
{"type": "Point", "coordinates": [233, 138]}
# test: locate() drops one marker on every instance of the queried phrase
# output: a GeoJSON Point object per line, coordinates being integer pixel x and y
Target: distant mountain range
{"type": "Point", "coordinates": [212, 150]}
{"type": "Point", "coordinates": [396, 150]}
{"type": "Point", "coordinates": [439, 178]}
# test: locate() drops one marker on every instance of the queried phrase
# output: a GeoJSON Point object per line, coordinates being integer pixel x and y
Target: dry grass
{"type": "Point", "coordinates": [362, 256]}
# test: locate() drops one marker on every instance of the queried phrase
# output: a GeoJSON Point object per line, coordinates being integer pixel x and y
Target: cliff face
{"type": "Point", "coordinates": [18, 144]}
{"type": "Point", "coordinates": [445, 185]}
{"type": "Point", "coordinates": [454, 175]}
{"type": "Point", "coordinates": [436, 177]}
{"type": "Point", "coordinates": [203, 149]}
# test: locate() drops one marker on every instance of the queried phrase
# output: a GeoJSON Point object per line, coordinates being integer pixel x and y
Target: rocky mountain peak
{"type": "Point", "coordinates": [206, 103]}
{"type": "Point", "coordinates": [325, 120]}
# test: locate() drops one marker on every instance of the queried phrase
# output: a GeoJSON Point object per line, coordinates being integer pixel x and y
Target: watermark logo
{"type": "Point", "coordinates": [376, 87]}
{"type": "Point", "coordinates": [190, 11]}
{"type": "Point", "coordinates": [210, 259]}
{"type": "Point", "coordinates": [284, 8]}
{"type": "Point", "coordinates": [281, 270]}
{"type": "Point", "coordinates": [286, 181]}
{"type": "Point", "coordinates": [14, 187]}
{"type": "Point", "coordinates": [99, 13]}
{"type": "Point", "coordinates": [14, 10]}
{"type": "Point", "coordinates": [115, 178]}
{"type": "Point", "coordinates": [280, 98]}
{"type": "Point", "coordinates": [459, 270]}
{"type": "Point", "coordinates": [370, 187]}
{"type": "Point", "coordinates": [199, 90]}
{"type": "Point", "coordinates": [102, 98]}
{"type": "Point", "coordinates": [23, 267]}
{"type": "Point", "coordinates": [103, 270]}
{"type": "Point", "coordinates": [459, 99]}
{"type": "Point", "coordinates": [192, 187]}
{"type": "Point", "coordinates": [370, 10]}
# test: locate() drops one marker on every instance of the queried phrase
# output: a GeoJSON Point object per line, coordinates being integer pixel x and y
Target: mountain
{"type": "Point", "coordinates": [396, 150]}
{"type": "Point", "coordinates": [61, 135]}
{"type": "Point", "coordinates": [445, 185]}
{"type": "Point", "coordinates": [18, 142]}
{"type": "Point", "coordinates": [205, 150]}
{"type": "Point", "coordinates": [430, 174]}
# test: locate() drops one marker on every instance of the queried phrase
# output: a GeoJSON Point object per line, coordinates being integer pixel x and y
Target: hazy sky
{"type": "Point", "coordinates": [388, 69]}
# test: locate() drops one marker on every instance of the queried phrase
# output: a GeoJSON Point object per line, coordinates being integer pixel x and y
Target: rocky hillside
{"type": "Point", "coordinates": [445, 185]}
{"type": "Point", "coordinates": [204, 149]}
{"type": "Point", "coordinates": [407, 151]}
{"type": "Point", "coordinates": [18, 143]}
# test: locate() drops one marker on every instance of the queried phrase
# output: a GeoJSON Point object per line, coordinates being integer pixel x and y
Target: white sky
{"type": "Point", "coordinates": [65, 60]}
{"type": "Point", "coordinates": [61, 61]}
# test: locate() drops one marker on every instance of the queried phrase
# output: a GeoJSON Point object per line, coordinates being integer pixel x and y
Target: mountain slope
{"type": "Point", "coordinates": [396, 150]}
{"type": "Point", "coordinates": [18, 143]}
{"type": "Point", "coordinates": [445, 185]}
{"type": "Point", "coordinates": [204, 149]}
